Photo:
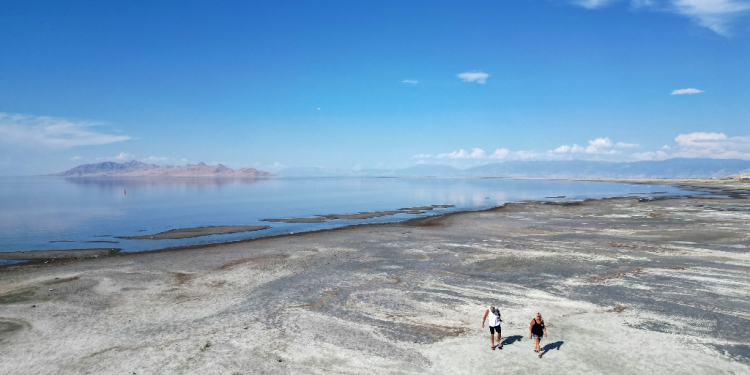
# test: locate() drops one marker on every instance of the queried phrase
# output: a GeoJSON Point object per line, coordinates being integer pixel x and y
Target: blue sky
{"type": "Point", "coordinates": [371, 84]}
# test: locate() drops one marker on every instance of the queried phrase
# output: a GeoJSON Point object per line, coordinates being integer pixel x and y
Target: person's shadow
{"type": "Point", "coordinates": [511, 339]}
{"type": "Point", "coordinates": [552, 346]}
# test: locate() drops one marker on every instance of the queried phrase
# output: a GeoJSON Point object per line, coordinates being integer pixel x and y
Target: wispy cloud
{"type": "Point", "coordinates": [626, 145]}
{"type": "Point", "coordinates": [52, 132]}
{"type": "Point", "coordinates": [75, 158]}
{"type": "Point", "coordinates": [712, 14]}
{"type": "Point", "coordinates": [155, 159]}
{"type": "Point", "coordinates": [410, 81]}
{"type": "Point", "coordinates": [593, 4]}
{"type": "Point", "coordinates": [688, 91]}
{"type": "Point", "coordinates": [478, 77]}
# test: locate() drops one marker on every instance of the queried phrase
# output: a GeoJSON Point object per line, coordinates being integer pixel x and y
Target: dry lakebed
{"type": "Point", "coordinates": [626, 286]}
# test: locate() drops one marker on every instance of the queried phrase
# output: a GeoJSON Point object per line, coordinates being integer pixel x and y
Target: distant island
{"type": "Point", "coordinates": [135, 168]}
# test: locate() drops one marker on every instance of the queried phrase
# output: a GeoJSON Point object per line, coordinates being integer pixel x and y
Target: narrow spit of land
{"type": "Point", "coordinates": [626, 286]}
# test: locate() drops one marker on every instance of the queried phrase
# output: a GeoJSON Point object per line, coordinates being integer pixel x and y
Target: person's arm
{"type": "Point", "coordinates": [545, 330]}
{"type": "Point", "coordinates": [485, 317]}
{"type": "Point", "coordinates": [531, 325]}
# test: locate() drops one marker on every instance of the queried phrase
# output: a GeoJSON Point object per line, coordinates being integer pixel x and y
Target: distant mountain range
{"type": "Point", "coordinates": [670, 168]}
{"type": "Point", "coordinates": [136, 168]}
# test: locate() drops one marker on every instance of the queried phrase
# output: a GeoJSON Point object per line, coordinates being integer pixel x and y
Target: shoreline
{"type": "Point", "coordinates": [728, 188]}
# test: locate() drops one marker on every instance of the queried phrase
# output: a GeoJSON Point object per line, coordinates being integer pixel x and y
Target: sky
{"type": "Point", "coordinates": [371, 84]}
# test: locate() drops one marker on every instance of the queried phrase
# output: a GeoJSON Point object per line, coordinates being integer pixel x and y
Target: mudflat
{"type": "Point", "coordinates": [625, 285]}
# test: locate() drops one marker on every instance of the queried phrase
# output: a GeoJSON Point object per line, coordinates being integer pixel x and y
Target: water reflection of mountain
{"type": "Point", "coordinates": [109, 183]}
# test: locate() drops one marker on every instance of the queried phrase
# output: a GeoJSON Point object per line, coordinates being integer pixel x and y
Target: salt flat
{"type": "Point", "coordinates": [625, 286]}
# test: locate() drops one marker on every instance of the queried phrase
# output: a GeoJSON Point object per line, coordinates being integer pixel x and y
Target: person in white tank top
{"type": "Point", "coordinates": [494, 323]}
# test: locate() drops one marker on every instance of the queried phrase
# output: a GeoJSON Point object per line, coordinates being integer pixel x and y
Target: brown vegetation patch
{"type": "Point", "coordinates": [681, 268]}
{"type": "Point", "coordinates": [256, 260]}
{"type": "Point", "coordinates": [618, 309]}
{"type": "Point", "coordinates": [616, 275]}
{"type": "Point", "coordinates": [616, 244]}
{"type": "Point", "coordinates": [59, 281]}
{"type": "Point", "coordinates": [217, 284]}
{"type": "Point", "coordinates": [182, 278]}
{"type": "Point", "coordinates": [19, 295]}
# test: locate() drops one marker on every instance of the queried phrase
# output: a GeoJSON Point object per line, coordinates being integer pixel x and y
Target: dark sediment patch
{"type": "Point", "coordinates": [100, 241]}
{"type": "Point", "coordinates": [53, 241]}
{"type": "Point", "coordinates": [58, 254]}
{"type": "Point", "coordinates": [426, 208]}
{"type": "Point", "coordinates": [175, 234]}
{"type": "Point", "coordinates": [302, 220]}
{"type": "Point", "coordinates": [9, 327]}
{"type": "Point", "coordinates": [360, 215]}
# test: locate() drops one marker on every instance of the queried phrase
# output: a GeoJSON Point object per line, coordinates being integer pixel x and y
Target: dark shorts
{"type": "Point", "coordinates": [493, 329]}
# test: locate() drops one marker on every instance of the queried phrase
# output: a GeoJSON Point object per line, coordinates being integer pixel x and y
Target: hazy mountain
{"type": "Point", "coordinates": [136, 168]}
{"type": "Point", "coordinates": [671, 168]}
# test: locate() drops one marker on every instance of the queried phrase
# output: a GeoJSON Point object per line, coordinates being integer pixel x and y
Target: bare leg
{"type": "Point", "coordinates": [538, 349]}
{"type": "Point", "coordinates": [492, 340]}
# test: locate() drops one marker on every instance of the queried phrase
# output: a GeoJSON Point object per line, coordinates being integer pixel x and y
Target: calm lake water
{"type": "Point", "coordinates": [50, 213]}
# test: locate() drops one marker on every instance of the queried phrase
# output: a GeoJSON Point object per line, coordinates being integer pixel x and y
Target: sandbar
{"type": "Point", "coordinates": [198, 232]}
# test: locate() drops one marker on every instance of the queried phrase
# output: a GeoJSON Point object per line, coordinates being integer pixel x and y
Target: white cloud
{"type": "Point", "coordinates": [75, 158]}
{"type": "Point", "coordinates": [52, 132]}
{"type": "Point", "coordinates": [410, 81]}
{"type": "Point", "coordinates": [500, 153]}
{"type": "Point", "coordinates": [155, 159]}
{"type": "Point", "coordinates": [565, 149]}
{"type": "Point", "coordinates": [123, 156]}
{"type": "Point", "coordinates": [476, 153]}
{"type": "Point", "coordinates": [422, 156]}
{"type": "Point", "coordinates": [600, 146]}
{"type": "Point", "coordinates": [688, 91]}
{"type": "Point", "coordinates": [626, 145]}
{"type": "Point", "coordinates": [712, 14]}
{"type": "Point", "coordinates": [477, 77]}
{"type": "Point", "coordinates": [651, 155]}
{"type": "Point", "coordinates": [702, 145]}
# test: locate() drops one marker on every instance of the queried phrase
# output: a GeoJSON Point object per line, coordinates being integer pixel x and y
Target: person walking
{"type": "Point", "coordinates": [494, 323]}
{"type": "Point", "coordinates": [536, 330]}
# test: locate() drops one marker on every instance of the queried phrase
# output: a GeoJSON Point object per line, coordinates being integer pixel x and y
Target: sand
{"type": "Point", "coordinates": [626, 286]}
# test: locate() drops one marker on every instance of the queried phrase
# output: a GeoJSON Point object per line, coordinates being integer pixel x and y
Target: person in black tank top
{"type": "Point", "coordinates": [536, 330]}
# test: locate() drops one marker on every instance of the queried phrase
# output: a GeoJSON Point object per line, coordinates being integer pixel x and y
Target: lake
{"type": "Point", "coordinates": [52, 213]}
